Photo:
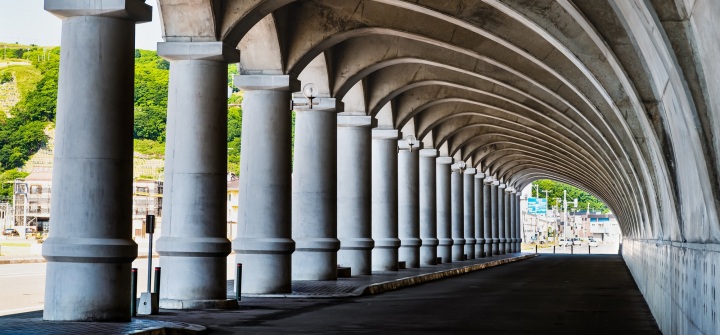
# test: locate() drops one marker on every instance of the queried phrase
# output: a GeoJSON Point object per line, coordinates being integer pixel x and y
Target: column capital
{"type": "Point", "coordinates": [211, 51]}
{"type": "Point", "coordinates": [430, 152]}
{"type": "Point", "coordinates": [385, 134]}
{"type": "Point", "coordinates": [480, 175]}
{"type": "Point", "coordinates": [132, 10]}
{"type": "Point", "coordinates": [501, 186]}
{"type": "Point", "coordinates": [471, 171]}
{"type": "Point", "coordinates": [325, 105]}
{"type": "Point", "coordinates": [266, 83]}
{"type": "Point", "coordinates": [349, 120]}
{"type": "Point", "coordinates": [444, 160]}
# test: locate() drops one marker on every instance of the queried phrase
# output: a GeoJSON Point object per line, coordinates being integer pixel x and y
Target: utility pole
{"type": "Point", "coordinates": [565, 215]}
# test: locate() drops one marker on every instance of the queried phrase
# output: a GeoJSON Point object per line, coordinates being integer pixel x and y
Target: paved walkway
{"type": "Point", "coordinates": [550, 294]}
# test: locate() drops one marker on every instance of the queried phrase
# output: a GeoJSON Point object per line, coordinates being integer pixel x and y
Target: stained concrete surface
{"type": "Point", "coordinates": [550, 294]}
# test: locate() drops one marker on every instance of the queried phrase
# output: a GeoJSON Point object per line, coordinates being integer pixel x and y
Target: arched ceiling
{"type": "Point", "coordinates": [582, 92]}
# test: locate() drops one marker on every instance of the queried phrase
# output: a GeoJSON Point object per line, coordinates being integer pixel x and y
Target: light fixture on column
{"type": "Point", "coordinates": [410, 140]}
{"type": "Point", "coordinates": [461, 166]}
{"type": "Point", "coordinates": [310, 91]}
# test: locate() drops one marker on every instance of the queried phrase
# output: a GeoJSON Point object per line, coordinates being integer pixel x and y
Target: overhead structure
{"type": "Point", "coordinates": [618, 97]}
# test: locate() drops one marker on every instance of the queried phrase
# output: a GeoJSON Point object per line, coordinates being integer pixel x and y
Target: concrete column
{"type": "Point", "coordinates": [487, 216]}
{"type": "Point", "coordinates": [494, 217]}
{"type": "Point", "coordinates": [442, 178]}
{"type": "Point", "coordinates": [263, 243]}
{"type": "Point", "coordinates": [457, 215]}
{"type": "Point", "coordinates": [428, 211]}
{"type": "Point", "coordinates": [479, 205]}
{"type": "Point", "coordinates": [502, 238]}
{"type": "Point", "coordinates": [508, 220]}
{"type": "Point", "coordinates": [353, 193]}
{"type": "Point", "coordinates": [513, 223]}
{"type": "Point", "coordinates": [385, 199]}
{"type": "Point", "coordinates": [314, 192]}
{"type": "Point", "coordinates": [408, 205]}
{"type": "Point", "coordinates": [518, 223]}
{"type": "Point", "coordinates": [469, 211]}
{"type": "Point", "coordinates": [193, 247]}
{"type": "Point", "coordinates": [90, 250]}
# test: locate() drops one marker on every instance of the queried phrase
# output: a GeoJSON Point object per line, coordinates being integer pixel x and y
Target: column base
{"type": "Point", "coordinates": [480, 250]}
{"type": "Point", "coordinates": [470, 251]}
{"type": "Point", "coordinates": [314, 265]}
{"type": "Point", "coordinates": [411, 255]}
{"type": "Point", "coordinates": [359, 261]}
{"type": "Point", "coordinates": [428, 255]}
{"type": "Point", "coordinates": [444, 252]}
{"type": "Point", "coordinates": [458, 252]}
{"type": "Point", "coordinates": [385, 259]}
{"type": "Point", "coordinates": [198, 304]}
{"type": "Point", "coordinates": [87, 292]}
{"type": "Point", "coordinates": [266, 273]}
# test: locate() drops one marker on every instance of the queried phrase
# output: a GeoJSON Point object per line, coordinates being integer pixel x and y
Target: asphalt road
{"type": "Point", "coordinates": [22, 286]}
{"type": "Point", "coordinates": [550, 294]}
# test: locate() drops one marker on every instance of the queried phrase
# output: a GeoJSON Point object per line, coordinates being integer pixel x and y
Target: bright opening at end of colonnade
{"type": "Point", "coordinates": [560, 218]}
{"type": "Point", "coordinates": [617, 97]}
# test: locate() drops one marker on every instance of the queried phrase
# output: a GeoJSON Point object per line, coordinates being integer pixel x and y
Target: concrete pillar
{"type": "Point", "coordinates": [502, 238]}
{"type": "Point", "coordinates": [193, 247]}
{"type": "Point", "coordinates": [314, 192]}
{"type": "Point", "coordinates": [457, 215]}
{"type": "Point", "coordinates": [353, 193]}
{"type": "Point", "coordinates": [408, 205]}
{"type": "Point", "coordinates": [263, 243]}
{"type": "Point", "coordinates": [469, 211]}
{"type": "Point", "coordinates": [487, 216]}
{"type": "Point", "coordinates": [518, 223]}
{"type": "Point", "coordinates": [428, 211]}
{"type": "Point", "coordinates": [385, 199]}
{"type": "Point", "coordinates": [442, 175]}
{"type": "Point", "coordinates": [508, 223]}
{"type": "Point", "coordinates": [494, 217]}
{"type": "Point", "coordinates": [479, 205]}
{"type": "Point", "coordinates": [90, 250]}
{"type": "Point", "coordinates": [513, 223]}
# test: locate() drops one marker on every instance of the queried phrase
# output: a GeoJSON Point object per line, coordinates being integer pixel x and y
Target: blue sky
{"type": "Point", "coordinates": [25, 22]}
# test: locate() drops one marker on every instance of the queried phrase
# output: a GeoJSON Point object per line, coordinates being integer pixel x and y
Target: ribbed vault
{"type": "Point", "coordinates": [577, 91]}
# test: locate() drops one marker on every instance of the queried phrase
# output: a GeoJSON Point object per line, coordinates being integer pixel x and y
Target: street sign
{"type": "Point", "coordinates": [537, 206]}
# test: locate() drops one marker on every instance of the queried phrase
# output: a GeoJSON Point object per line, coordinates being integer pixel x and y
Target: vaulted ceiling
{"type": "Point", "coordinates": [607, 95]}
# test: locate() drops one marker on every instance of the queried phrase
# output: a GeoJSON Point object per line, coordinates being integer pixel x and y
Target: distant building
{"type": "Point", "coordinates": [233, 190]}
{"type": "Point", "coordinates": [147, 200]}
{"type": "Point", "coordinates": [32, 194]}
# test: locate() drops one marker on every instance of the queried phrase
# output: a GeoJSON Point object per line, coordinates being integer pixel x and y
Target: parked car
{"type": "Point", "coordinates": [592, 242]}
{"type": "Point", "coordinates": [576, 241]}
{"type": "Point", "coordinates": [10, 232]}
{"type": "Point", "coordinates": [564, 242]}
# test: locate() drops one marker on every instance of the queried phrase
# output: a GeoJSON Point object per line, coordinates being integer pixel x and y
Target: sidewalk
{"type": "Point", "coordinates": [304, 293]}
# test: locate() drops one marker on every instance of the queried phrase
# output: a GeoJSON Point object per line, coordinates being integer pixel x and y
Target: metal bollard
{"type": "Point", "coordinates": [571, 249]}
{"type": "Point", "coordinates": [536, 248]}
{"type": "Point", "coordinates": [157, 280]}
{"type": "Point", "coordinates": [553, 249]}
{"type": "Point", "coordinates": [588, 249]}
{"type": "Point", "coordinates": [133, 292]}
{"type": "Point", "coordinates": [238, 281]}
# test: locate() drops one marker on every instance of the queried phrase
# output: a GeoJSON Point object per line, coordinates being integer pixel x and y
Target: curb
{"type": "Point", "coordinates": [185, 329]}
{"type": "Point", "coordinates": [410, 281]}
{"type": "Point", "coordinates": [399, 283]}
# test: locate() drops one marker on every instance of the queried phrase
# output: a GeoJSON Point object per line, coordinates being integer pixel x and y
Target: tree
{"type": "Point", "coordinates": [556, 191]}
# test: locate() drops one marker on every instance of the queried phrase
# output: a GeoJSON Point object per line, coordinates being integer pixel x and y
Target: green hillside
{"type": "Point", "coordinates": [28, 95]}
